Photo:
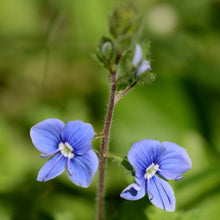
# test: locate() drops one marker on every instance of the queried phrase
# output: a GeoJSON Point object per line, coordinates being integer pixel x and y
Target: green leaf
{"type": "Point", "coordinates": [128, 166]}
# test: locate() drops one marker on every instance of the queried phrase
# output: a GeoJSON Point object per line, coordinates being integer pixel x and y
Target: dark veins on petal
{"type": "Point", "coordinates": [155, 182]}
{"type": "Point", "coordinates": [166, 194]}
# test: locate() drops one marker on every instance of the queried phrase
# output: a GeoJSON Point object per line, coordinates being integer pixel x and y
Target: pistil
{"type": "Point", "coordinates": [66, 150]}
{"type": "Point", "coordinates": [151, 171]}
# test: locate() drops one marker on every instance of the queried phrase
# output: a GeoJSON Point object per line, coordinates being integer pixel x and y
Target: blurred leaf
{"type": "Point", "coordinates": [154, 213]}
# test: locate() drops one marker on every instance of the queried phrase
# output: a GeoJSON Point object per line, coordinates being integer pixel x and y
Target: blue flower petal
{"type": "Point", "coordinates": [174, 162]}
{"type": "Point", "coordinates": [145, 65]}
{"type": "Point", "coordinates": [161, 194]}
{"type": "Point", "coordinates": [134, 192]}
{"type": "Point", "coordinates": [79, 135]}
{"type": "Point", "coordinates": [53, 168]}
{"type": "Point", "coordinates": [46, 135]}
{"type": "Point", "coordinates": [137, 55]}
{"type": "Point", "coordinates": [143, 153]}
{"type": "Point", "coordinates": [83, 168]}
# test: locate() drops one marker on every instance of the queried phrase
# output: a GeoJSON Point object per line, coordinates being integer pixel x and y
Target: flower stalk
{"type": "Point", "coordinates": [119, 96]}
{"type": "Point", "coordinates": [104, 150]}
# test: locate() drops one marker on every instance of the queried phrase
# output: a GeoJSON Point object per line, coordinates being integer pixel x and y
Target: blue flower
{"type": "Point", "coordinates": [153, 160]}
{"type": "Point", "coordinates": [70, 145]}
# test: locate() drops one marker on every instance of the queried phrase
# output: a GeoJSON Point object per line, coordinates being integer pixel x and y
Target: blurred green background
{"type": "Point", "coordinates": [47, 70]}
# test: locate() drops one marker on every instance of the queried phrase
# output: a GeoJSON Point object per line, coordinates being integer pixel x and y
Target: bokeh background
{"type": "Point", "coordinates": [47, 70]}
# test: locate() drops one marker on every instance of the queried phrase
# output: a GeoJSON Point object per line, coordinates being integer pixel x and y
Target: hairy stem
{"type": "Point", "coordinates": [104, 150]}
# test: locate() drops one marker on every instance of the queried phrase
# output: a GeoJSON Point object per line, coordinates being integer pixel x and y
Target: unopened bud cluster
{"type": "Point", "coordinates": [121, 52]}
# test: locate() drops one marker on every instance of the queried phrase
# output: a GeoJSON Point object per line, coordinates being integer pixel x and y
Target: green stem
{"type": "Point", "coordinates": [99, 136]}
{"type": "Point", "coordinates": [119, 157]}
{"type": "Point", "coordinates": [104, 150]}
{"type": "Point", "coordinates": [119, 96]}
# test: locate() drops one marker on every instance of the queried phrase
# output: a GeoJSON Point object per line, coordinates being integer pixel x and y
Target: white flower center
{"type": "Point", "coordinates": [66, 150]}
{"type": "Point", "coordinates": [151, 170]}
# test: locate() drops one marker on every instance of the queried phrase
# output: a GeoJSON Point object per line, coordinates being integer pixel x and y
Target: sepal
{"type": "Point", "coordinates": [146, 77]}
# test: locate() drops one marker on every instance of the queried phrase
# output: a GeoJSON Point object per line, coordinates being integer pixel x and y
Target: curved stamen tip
{"type": "Point", "coordinates": [69, 172]}
{"type": "Point", "coordinates": [179, 178]}
{"type": "Point", "coordinates": [44, 156]}
{"type": "Point", "coordinates": [150, 196]}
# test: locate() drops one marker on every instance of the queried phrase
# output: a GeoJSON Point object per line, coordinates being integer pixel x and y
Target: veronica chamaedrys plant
{"type": "Point", "coordinates": [153, 160]}
{"type": "Point", "coordinates": [70, 145]}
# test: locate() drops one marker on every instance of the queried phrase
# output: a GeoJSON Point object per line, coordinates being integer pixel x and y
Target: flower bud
{"type": "Point", "coordinates": [124, 24]}
{"type": "Point", "coordinates": [137, 55]}
{"type": "Point", "coordinates": [145, 65]}
{"type": "Point", "coordinates": [107, 49]}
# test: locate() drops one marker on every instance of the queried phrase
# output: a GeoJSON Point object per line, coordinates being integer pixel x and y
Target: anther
{"type": "Point", "coordinates": [179, 178]}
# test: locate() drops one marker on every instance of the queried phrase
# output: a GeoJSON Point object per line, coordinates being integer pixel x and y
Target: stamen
{"type": "Point", "coordinates": [148, 190]}
{"type": "Point", "coordinates": [52, 167]}
{"type": "Point", "coordinates": [46, 155]}
{"type": "Point", "coordinates": [69, 171]}
{"type": "Point", "coordinates": [66, 150]}
{"type": "Point", "coordinates": [179, 178]}
{"type": "Point", "coordinates": [150, 196]}
{"type": "Point", "coordinates": [165, 173]}
{"type": "Point", "coordinates": [169, 176]}
{"type": "Point", "coordinates": [151, 171]}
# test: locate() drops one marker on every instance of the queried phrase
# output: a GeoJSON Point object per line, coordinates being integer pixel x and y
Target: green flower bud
{"type": "Point", "coordinates": [124, 21]}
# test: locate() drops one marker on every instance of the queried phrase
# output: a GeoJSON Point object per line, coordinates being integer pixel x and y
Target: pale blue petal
{"type": "Point", "coordinates": [83, 168]}
{"type": "Point", "coordinates": [174, 162]}
{"type": "Point", "coordinates": [46, 135]}
{"type": "Point", "coordinates": [134, 192]}
{"type": "Point", "coordinates": [161, 194]}
{"type": "Point", "coordinates": [137, 55]}
{"type": "Point", "coordinates": [52, 168]}
{"type": "Point", "coordinates": [143, 153]}
{"type": "Point", "coordinates": [79, 135]}
{"type": "Point", "coordinates": [145, 65]}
